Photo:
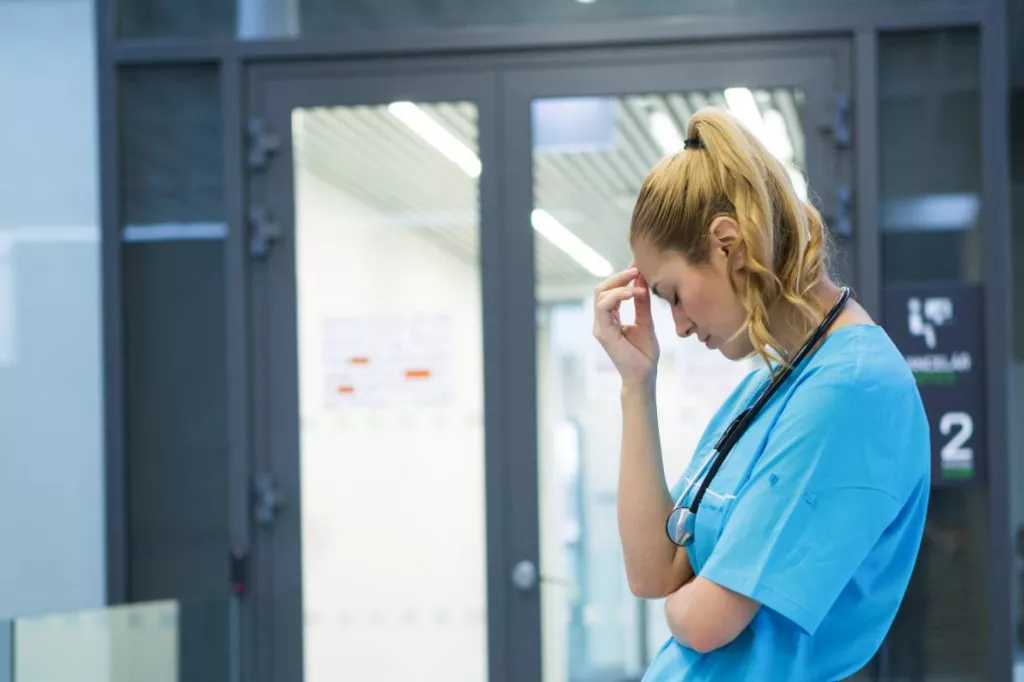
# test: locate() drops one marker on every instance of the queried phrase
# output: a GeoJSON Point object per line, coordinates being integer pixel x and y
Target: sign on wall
{"type": "Point", "coordinates": [939, 330]}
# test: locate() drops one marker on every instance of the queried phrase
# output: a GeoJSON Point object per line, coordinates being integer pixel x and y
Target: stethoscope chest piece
{"type": "Point", "coordinates": [680, 526]}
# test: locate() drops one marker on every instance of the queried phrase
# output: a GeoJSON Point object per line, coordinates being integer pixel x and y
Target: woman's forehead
{"type": "Point", "coordinates": [647, 259]}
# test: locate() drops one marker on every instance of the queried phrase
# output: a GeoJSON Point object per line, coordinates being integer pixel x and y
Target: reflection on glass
{"type": "Point", "coordinates": [590, 157]}
{"type": "Point", "coordinates": [391, 392]}
{"type": "Point", "coordinates": [930, 193]}
{"type": "Point", "coordinates": [930, 156]}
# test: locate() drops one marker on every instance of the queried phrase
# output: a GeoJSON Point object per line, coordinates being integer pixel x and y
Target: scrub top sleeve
{"type": "Point", "coordinates": [816, 504]}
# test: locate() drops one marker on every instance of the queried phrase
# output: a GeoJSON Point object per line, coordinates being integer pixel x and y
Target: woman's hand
{"type": "Point", "coordinates": [632, 348]}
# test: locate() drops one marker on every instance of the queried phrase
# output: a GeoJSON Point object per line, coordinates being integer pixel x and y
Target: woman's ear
{"type": "Point", "coordinates": [724, 233]}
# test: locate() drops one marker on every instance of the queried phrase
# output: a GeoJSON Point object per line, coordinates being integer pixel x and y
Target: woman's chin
{"type": "Point", "coordinates": [735, 352]}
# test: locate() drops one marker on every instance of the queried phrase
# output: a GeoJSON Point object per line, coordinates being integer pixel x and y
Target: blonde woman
{"type": "Point", "coordinates": [785, 548]}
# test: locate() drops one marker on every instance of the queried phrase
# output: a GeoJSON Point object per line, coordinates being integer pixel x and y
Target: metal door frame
{"type": "Point", "coordinates": [821, 68]}
{"type": "Point", "coordinates": [501, 89]}
{"type": "Point", "coordinates": [472, 45]}
{"type": "Point", "coordinates": [276, 615]}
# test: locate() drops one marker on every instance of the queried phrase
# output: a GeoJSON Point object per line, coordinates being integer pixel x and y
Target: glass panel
{"type": "Point", "coordinates": [930, 207]}
{"type": "Point", "coordinates": [289, 18]}
{"type": "Point", "coordinates": [175, 18]}
{"type": "Point", "coordinates": [1017, 363]}
{"type": "Point", "coordinates": [391, 392]}
{"type": "Point", "coordinates": [173, 302]}
{"type": "Point", "coordinates": [930, 156]}
{"type": "Point", "coordinates": [166, 641]}
{"type": "Point", "coordinates": [51, 312]}
{"type": "Point", "coordinates": [590, 156]}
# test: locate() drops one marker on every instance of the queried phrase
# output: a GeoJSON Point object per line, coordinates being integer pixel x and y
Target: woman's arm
{"type": "Point", "coordinates": [655, 567]}
{"type": "Point", "coordinates": [704, 616]}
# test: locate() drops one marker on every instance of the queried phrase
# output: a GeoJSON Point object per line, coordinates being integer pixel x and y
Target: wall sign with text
{"type": "Point", "coordinates": [938, 327]}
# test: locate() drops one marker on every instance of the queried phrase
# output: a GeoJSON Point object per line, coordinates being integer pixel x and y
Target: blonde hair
{"type": "Point", "coordinates": [727, 171]}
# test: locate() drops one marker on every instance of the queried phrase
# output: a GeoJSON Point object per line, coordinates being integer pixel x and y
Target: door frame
{"type": "Point", "coordinates": [796, 63]}
{"type": "Point", "coordinates": [501, 86]}
{"type": "Point", "coordinates": [277, 613]}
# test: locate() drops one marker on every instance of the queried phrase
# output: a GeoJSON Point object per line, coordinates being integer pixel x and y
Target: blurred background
{"type": "Point", "coordinates": [296, 375]}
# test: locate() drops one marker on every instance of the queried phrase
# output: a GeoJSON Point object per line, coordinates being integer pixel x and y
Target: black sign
{"type": "Point", "coordinates": [938, 328]}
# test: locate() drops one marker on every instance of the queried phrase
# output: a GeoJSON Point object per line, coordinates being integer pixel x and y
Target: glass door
{"type": "Point", "coordinates": [580, 142]}
{"type": "Point", "coordinates": [377, 439]}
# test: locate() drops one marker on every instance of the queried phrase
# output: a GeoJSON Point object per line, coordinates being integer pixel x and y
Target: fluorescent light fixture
{"type": "Point", "coordinates": [744, 107]}
{"type": "Point", "coordinates": [777, 135]}
{"type": "Point", "coordinates": [574, 247]}
{"type": "Point", "coordinates": [437, 136]}
{"type": "Point", "coordinates": [432, 132]}
{"type": "Point", "coordinates": [665, 132]}
{"type": "Point", "coordinates": [770, 128]}
{"type": "Point", "coordinates": [931, 213]}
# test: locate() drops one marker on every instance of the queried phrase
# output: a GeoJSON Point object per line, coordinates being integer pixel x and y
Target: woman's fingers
{"type": "Point", "coordinates": [615, 281]}
{"type": "Point", "coordinates": [643, 302]}
{"type": "Point", "coordinates": [611, 299]}
{"type": "Point", "coordinates": [606, 320]}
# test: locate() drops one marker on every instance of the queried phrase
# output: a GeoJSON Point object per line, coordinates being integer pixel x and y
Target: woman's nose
{"type": "Point", "coordinates": [684, 327]}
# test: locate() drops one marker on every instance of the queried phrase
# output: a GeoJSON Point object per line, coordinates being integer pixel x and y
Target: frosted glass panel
{"type": "Point", "coordinates": [391, 393]}
{"type": "Point", "coordinates": [121, 644]}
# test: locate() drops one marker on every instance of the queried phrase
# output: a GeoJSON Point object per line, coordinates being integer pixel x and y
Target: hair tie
{"type": "Point", "coordinates": [693, 143]}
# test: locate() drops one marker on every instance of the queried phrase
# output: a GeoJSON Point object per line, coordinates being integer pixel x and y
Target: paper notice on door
{"type": "Point", "coordinates": [388, 362]}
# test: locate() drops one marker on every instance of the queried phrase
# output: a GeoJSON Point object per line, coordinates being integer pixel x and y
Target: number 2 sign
{"type": "Point", "coordinates": [938, 328]}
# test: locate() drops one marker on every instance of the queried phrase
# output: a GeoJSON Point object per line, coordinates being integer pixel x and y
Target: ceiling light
{"type": "Point", "coordinates": [437, 136]}
{"type": "Point", "coordinates": [744, 107]}
{"type": "Point", "coordinates": [777, 135]}
{"type": "Point", "coordinates": [574, 247]}
{"type": "Point", "coordinates": [665, 132]}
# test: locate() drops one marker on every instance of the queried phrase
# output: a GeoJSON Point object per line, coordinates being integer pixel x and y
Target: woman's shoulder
{"type": "Point", "coordinates": [861, 356]}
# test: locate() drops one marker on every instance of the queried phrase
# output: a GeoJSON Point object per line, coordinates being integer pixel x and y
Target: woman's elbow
{"type": "Point", "coordinates": [704, 640]}
{"type": "Point", "coordinates": [643, 587]}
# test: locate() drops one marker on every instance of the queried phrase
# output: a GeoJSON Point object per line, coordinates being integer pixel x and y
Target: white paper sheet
{"type": "Point", "coordinates": [388, 362]}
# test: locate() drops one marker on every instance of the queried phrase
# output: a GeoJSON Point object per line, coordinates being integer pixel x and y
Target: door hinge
{"type": "Point", "coordinates": [263, 143]}
{"type": "Point", "coordinates": [266, 498]}
{"type": "Point", "coordinates": [838, 121]}
{"type": "Point", "coordinates": [842, 225]}
{"type": "Point", "coordinates": [264, 231]}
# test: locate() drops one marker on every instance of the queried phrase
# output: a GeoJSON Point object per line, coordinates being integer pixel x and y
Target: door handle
{"type": "Point", "coordinates": [524, 575]}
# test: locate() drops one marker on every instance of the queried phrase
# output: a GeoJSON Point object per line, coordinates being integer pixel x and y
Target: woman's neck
{"type": "Point", "coordinates": [789, 326]}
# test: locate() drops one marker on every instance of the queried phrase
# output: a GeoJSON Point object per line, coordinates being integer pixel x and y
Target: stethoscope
{"type": "Point", "coordinates": [682, 520]}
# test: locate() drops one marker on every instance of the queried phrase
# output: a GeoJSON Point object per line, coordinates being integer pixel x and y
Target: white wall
{"type": "Point", "coordinates": [392, 491]}
{"type": "Point", "coordinates": [51, 457]}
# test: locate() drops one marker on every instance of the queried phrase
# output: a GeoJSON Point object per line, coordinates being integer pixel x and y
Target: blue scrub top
{"type": "Point", "coordinates": [817, 513]}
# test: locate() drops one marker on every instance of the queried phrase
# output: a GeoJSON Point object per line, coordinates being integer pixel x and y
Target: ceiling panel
{"type": "Point", "coordinates": [371, 156]}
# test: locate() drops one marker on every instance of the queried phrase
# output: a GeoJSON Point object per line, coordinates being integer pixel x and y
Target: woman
{"type": "Point", "coordinates": [809, 511]}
